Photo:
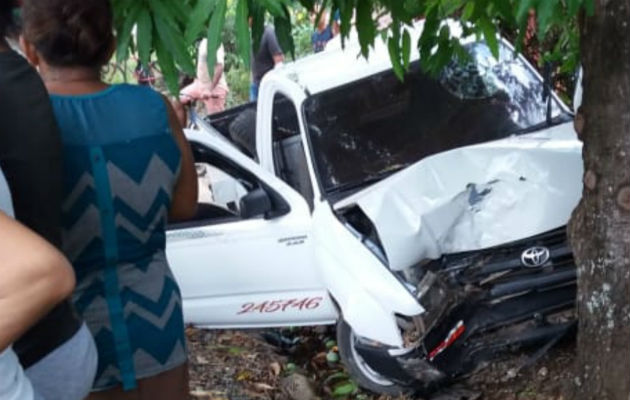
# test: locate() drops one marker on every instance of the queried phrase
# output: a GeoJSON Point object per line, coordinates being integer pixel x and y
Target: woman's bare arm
{"type": "Point", "coordinates": [34, 277]}
{"type": "Point", "coordinates": [184, 202]}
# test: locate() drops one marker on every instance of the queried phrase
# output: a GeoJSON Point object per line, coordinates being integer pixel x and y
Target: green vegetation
{"type": "Point", "coordinates": [171, 28]}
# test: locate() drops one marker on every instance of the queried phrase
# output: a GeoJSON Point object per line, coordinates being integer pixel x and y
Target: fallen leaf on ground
{"type": "Point", "coordinates": [262, 387]}
{"type": "Point", "coordinates": [243, 375]}
{"type": "Point", "coordinates": [275, 368]}
{"type": "Point", "coordinates": [201, 360]}
{"type": "Point", "coordinates": [208, 394]}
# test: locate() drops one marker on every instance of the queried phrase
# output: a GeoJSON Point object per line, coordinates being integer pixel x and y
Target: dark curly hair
{"type": "Point", "coordinates": [69, 32]}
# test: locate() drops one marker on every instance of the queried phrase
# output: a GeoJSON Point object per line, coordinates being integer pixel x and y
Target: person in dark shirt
{"type": "Point", "coordinates": [30, 158]}
{"type": "Point", "coordinates": [269, 55]}
{"type": "Point", "coordinates": [323, 32]}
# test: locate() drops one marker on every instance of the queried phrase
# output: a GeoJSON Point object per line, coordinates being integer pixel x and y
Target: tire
{"type": "Point", "coordinates": [243, 132]}
{"type": "Point", "coordinates": [359, 370]}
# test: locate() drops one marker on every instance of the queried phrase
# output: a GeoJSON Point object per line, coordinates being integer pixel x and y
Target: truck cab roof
{"type": "Point", "coordinates": [340, 64]}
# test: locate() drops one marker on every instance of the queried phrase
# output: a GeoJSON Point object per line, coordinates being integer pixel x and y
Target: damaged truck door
{"type": "Point", "coordinates": [245, 260]}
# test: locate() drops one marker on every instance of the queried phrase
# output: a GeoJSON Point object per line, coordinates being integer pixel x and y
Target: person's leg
{"type": "Point", "coordinates": [171, 384]}
{"type": "Point", "coordinates": [73, 363]}
{"type": "Point", "coordinates": [253, 92]}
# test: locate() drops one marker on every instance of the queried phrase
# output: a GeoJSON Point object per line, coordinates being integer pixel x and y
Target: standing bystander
{"type": "Point", "coordinates": [59, 346]}
{"type": "Point", "coordinates": [269, 55]}
{"type": "Point", "coordinates": [212, 90]}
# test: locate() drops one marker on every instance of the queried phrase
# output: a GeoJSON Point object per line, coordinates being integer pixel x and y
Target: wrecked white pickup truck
{"type": "Point", "coordinates": [425, 217]}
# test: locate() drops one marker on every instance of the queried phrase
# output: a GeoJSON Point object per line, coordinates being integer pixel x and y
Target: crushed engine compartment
{"type": "Point", "coordinates": [484, 303]}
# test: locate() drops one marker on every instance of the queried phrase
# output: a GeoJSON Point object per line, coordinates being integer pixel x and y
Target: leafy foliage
{"type": "Point", "coordinates": [169, 28]}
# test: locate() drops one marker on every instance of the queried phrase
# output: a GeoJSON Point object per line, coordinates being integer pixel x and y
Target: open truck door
{"type": "Point", "coordinates": [246, 259]}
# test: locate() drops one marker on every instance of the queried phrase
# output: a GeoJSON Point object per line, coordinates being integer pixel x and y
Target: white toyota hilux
{"type": "Point", "coordinates": [424, 217]}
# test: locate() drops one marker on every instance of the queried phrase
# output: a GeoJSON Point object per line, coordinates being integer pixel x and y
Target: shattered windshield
{"type": "Point", "coordinates": [366, 130]}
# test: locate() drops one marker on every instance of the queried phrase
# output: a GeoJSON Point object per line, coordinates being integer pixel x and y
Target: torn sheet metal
{"type": "Point", "coordinates": [476, 197]}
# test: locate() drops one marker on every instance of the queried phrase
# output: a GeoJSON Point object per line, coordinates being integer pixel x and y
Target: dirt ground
{"type": "Point", "coordinates": [238, 365]}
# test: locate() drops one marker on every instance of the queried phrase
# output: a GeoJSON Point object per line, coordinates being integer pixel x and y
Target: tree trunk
{"type": "Point", "coordinates": [600, 226]}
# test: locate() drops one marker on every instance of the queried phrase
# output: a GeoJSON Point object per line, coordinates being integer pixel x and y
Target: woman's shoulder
{"type": "Point", "coordinates": [137, 91]}
{"type": "Point", "coordinates": [138, 98]}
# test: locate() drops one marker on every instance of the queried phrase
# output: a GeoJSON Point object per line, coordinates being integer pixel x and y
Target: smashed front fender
{"type": "Point", "coordinates": [475, 197]}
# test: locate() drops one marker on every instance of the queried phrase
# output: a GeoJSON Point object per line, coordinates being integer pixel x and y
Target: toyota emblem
{"type": "Point", "coordinates": [535, 256]}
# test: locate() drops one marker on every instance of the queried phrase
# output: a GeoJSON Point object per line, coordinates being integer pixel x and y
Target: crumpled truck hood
{"type": "Point", "coordinates": [475, 197]}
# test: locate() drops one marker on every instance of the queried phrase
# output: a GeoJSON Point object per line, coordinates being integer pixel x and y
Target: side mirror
{"type": "Point", "coordinates": [255, 203]}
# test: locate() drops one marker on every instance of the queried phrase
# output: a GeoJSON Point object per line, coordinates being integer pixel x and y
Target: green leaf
{"type": "Point", "coordinates": [336, 376]}
{"type": "Point", "coordinates": [174, 42]}
{"type": "Point", "coordinates": [120, 8]}
{"type": "Point", "coordinates": [283, 33]}
{"type": "Point", "coordinates": [332, 357]}
{"type": "Point", "coordinates": [344, 389]}
{"type": "Point", "coordinates": [273, 6]}
{"type": "Point", "coordinates": [181, 10]}
{"type": "Point", "coordinates": [414, 7]}
{"type": "Point", "coordinates": [460, 52]}
{"type": "Point", "coordinates": [144, 36]}
{"type": "Point", "coordinates": [346, 13]}
{"type": "Point", "coordinates": [442, 57]}
{"type": "Point", "coordinates": [125, 34]}
{"type": "Point", "coordinates": [505, 10]}
{"type": "Point", "coordinates": [198, 18]}
{"type": "Point", "coordinates": [406, 49]}
{"type": "Point", "coordinates": [366, 26]}
{"type": "Point", "coordinates": [308, 4]}
{"type": "Point", "coordinates": [544, 14]}
{"type": "Point", "coordinates": [399, 12]}
{"type": "Point", "coordinates": [448, 7]}
{"type": "Point", "coordinates": [469, 8]}
{"type": "Point", "coordinates": [330, 344]}
{"type": "Point", "coordinates": [394, 56]}
{"type": "Point", "coordinates": [257, 12]}
{"type": "Point", "coordinates": [243, 38]}
{"type": "Point", "coordinates": [445, 34]}
{"type": "Point", "coordinates": [481, 9]}
{"type": "Point", "coordinates": [589, 6]}
{"type": "Point", "coordinates": [164, 12]}
{"type": "Point", "coordinates": [428, 39]}
{"type": "Point", "coordinates": [167, 66]}
{"type": "Point", "coordinates": [318, 17]}
{"type": "Point", "coordinates": [490, 34]}
{"type": "Point", "coordinates": [522, 9]}
{"type": "Point", "coordinates": [573, 6]}
{"type": "Point", "coordinates": [518, 44]}
{"type": "Point", "coordinates": [214, 33]}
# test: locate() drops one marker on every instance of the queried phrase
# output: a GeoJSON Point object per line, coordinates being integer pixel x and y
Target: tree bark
{"type": "Point", "coordinates": [599, 229]}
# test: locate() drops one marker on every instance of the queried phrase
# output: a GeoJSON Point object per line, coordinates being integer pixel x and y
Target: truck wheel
{"type": "Point", "coordinates": [365, 376]}
{"type": "Point", "coordinates": [243, 131]}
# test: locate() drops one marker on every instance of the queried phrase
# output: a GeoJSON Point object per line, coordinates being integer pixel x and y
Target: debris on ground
{"type": "Point", "coordinates": [303, 364]}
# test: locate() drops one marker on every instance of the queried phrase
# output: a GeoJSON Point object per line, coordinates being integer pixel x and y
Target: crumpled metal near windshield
{"type": "Point", "coordinates": [475, 197]}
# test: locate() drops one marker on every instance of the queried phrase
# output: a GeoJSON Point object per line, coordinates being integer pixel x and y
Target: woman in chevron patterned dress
{"type": "Point", "coordinates": [128, 168]}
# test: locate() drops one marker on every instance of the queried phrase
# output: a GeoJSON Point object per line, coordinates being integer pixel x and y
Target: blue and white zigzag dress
{"type": "Point", "coordinates": [121, 165]}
